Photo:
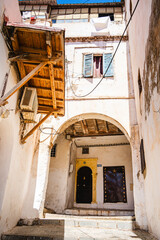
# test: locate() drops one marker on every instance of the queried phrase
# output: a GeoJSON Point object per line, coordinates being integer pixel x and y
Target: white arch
{"type": "Point", "coordinates": [84, 116]}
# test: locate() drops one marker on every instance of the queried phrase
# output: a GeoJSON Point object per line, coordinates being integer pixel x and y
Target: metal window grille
{"type": "Point", "coordinates": [53, 150]}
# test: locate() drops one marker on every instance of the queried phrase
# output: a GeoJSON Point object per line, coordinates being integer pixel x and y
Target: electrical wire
{"type": "Point", "coordinates": [85, 95]}
{"type": "Point", "coordinates": [50, 134]}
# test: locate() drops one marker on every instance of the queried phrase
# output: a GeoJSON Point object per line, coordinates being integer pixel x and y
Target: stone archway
{"type": "Point", "coordinates": [62, 174]}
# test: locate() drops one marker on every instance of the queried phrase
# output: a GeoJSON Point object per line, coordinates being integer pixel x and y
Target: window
{"type": "Point", "coordinates": [130, 7]}
{"type": "Point", "coordinates": [139, 82]}
{"type": "Point", "coordinates": [143, 163]}
{"type": "Point", "coordinates": [85, 150]}
{"type": "Point", "coordinates": [111, 15]}
{"type": "Point", "coordinates": [96, 65]}
{"type": "Point", "coordinates": [53, 150]}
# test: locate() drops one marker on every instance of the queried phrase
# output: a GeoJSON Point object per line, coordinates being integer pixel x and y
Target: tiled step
{"type": "Point", "coordinates": [98, 212]}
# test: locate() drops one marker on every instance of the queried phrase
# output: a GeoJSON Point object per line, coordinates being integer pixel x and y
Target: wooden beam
{"type": "Point", "coordinates": [51, 71]}
{"type": "Point", "coordinates": [36, 126]}
{"type": "Point", "coordinates": [102, 126]}
{"type": "Point", "coordinates": [107, 126]}
{"type": "Point", "coordinates": [36, 59]}
{"type": "Point", "coordinates": [46, 108]}
{"type": "Point", "coordinates": [49, 44]}
{"type": "Point", "coordinates": [32, 50]}
{"type": "Point", "coordinates": [58, 80]}
{"type": "Point", "coordinates": [85, 126]}
{"type": "Point", "coordinates": [22, 82]}
{"type": "Point", "coordinates": [95, 124]}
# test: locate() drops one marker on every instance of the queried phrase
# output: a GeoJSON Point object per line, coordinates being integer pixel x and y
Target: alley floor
{"type": "Point", "coordinates": [50, 232]}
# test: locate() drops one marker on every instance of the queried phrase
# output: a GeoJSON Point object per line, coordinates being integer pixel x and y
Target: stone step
{"type": "Point", "coordinates": [109, 222]}
{"type": "Point", "coordinates": [51, 232]}
{"type": "Point", "coordinates": [114, 222]}
{"type": "Point", "coordinates": [98, 212]}
{"type": "Point", "coordinates": [52, 225]}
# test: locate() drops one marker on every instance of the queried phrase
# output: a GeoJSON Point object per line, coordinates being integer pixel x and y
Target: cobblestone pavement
{"type": "Point", "coordinates": [49, 232]}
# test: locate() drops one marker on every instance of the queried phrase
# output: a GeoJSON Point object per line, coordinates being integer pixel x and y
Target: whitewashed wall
{"type": "Point", "coordinates": [15, 159]}
{"type": "Point", "coordinates": [143, 37]}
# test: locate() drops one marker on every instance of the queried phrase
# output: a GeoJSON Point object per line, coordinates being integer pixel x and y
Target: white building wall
{"type": "Point", "coordinates": [110, 101]}
{"type": "Point", "coordinates": [111, 97]}
{"type": "Point", "coordinates": [144, 47]}
{"type": "Point", "coordinates": [15, 158]}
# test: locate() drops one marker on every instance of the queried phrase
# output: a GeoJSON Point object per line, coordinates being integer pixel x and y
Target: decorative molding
{"type": "Point", "coordinates": [95, 38]}
{"type": "Point", "coordinates": [103, 145]}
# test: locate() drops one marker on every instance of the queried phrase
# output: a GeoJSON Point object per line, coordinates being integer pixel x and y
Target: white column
{"type": "Point", "coordinates": [42, 174]}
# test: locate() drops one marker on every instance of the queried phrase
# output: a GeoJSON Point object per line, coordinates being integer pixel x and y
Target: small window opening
{"type": "Point", "coordinates": [139, 82]}
{"type": "Point", "coordinates": [142, 155]}
{"type": "Point", "coordinates": [130, 7]}
{"type": "Point", "coordinates": [85, 150]}
{"type": "Point", "coordinates": [111, 15]}
{"type": "Point", "coordinates": [53, 150]}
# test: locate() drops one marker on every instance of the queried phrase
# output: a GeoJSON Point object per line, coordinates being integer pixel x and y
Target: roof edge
{"type": "Point", "coordinates": [108, 4]}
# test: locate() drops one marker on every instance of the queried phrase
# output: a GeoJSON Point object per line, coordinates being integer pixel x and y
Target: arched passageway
{"type": "Point", "coordinates": [92, 167]}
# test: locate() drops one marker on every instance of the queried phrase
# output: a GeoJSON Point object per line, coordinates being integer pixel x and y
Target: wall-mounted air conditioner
{"type": "Point", "coordinates": [29, 104]}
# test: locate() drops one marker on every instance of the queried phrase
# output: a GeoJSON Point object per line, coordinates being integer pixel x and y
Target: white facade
{"type": "Point", "coordinates": [31, 180]}
{"type": "Point", "coordinates": [15, 158]}
{"type": "Point", "coordinates": [144, 49]}
{"type": "Point", "coordinates": [113, 101]}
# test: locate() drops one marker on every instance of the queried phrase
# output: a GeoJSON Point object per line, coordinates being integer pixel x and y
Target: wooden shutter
{"type": "Point", "coordinates": [88, 65]}
{"type": "Point", "coordinates": [106, 60]}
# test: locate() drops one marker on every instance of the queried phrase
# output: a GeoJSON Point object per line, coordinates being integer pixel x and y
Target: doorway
{"type": "Point", "coordinates": [84, 185]}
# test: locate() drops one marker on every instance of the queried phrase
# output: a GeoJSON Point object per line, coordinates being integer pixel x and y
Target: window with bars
{"type": "Point", "coordinates": [96, 65]}
{"type": "Point", "coordinates": [53, 150]}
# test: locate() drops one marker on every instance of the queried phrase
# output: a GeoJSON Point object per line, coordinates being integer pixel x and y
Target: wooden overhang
{"type": "Point", "coordinates": [92, 127]}
{"type": "Point", "coordinates": [39, 54]}
{"type": "Point", "coordinates": [41, 48]}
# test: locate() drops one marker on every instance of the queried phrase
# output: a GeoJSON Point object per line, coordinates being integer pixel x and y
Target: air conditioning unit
{"type": "Point", "coordinates": [29, 104]}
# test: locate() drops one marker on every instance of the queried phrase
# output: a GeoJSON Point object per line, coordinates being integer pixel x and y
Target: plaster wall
{"type": "Point", "coordinates": [15, 159]}
{"type": "Point", "coordinates": [144, 47]}
{"type": "Point", "coordinates": [11, 10]}
{"type": "Point", "coordinates": [58, 176]}
{"type": "Point", "coordinates": [59, 183]}
{"type": "Point", "coordinates": [88, 29]}
{"type": "Point", "coordinates": [111, 98]}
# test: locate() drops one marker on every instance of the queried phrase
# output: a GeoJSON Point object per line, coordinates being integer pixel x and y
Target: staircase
{"type": "Point", "coordinates": [71, 227]}
{"type": "Point", "coordinates": [55, 226]}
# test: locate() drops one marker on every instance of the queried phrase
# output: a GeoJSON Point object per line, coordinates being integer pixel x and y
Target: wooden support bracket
{"type": "Point", "coordinates": [22, 82]}
{"type": "Point", "coordinates": [37, 125]}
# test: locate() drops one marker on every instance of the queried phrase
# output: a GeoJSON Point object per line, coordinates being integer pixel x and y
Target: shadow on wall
{"type": "Point", "coordinates": [6, 146]}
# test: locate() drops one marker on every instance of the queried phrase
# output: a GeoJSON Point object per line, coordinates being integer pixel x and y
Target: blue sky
{"type": "Point", "coordinates": [83, 1]}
